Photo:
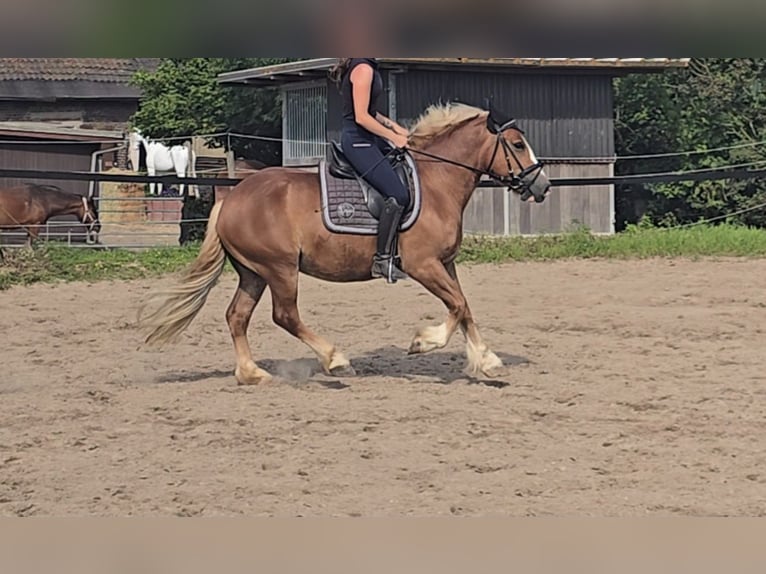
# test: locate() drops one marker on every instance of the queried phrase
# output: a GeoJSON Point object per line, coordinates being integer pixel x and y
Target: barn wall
{"type": "Point", "coordinates": [564, 115]}
{"type": "Point", "coordinates": [565, 209]}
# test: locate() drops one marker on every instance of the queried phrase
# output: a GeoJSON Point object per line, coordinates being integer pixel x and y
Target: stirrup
{"type": "Point", "coordinates": [383, 266]}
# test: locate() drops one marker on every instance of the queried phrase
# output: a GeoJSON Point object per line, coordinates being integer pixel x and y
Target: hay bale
{"type": "Point", "coordinates": [114, 211]}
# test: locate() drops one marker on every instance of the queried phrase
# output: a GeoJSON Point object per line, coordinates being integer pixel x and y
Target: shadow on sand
{"type": "Point", "coordinates": [438, 367]}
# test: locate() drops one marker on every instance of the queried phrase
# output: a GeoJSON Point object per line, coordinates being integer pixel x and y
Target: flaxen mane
{"type": "Point", "coordinates": [439, 118]}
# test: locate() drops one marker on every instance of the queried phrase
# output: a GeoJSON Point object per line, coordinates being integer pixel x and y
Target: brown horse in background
{"type": "Point", "coordinates": [270, 227]}
{"type": "Point", "coordinates": [30, 206]}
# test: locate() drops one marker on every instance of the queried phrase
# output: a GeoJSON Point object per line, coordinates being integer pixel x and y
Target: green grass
{"type": "Point", "coordinates": [700, 241]}
{"type": "Point", "coordinates": [50, 262]}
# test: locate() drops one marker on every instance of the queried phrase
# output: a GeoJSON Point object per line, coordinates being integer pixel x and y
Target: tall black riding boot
{"type": "Point", "coordinates": [384, 264]}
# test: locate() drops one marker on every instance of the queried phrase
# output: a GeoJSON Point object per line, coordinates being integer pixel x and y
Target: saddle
{"type": "Point", "coordinates": [351, 205]}
{"type": "Point", "coordinates": [341, 168]}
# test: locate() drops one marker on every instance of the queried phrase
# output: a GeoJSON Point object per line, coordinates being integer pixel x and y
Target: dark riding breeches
{"type": "Point", "coordinates": [366, 152]}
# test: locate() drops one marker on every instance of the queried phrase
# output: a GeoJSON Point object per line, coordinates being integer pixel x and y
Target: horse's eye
{"type": "Point", "coordinates": [519, 145]}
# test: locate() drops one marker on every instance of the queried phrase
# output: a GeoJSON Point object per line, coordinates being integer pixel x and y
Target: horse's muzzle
{"type": "Point", "coordinates": [91, 234]}
{"type": "Point", "coordinates": [535, 187]}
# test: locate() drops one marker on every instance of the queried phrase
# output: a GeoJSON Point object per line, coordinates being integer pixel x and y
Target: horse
{"type": "Point", "coordinates": [242, 168]}
{"type": "Point", "coordinates": [30, 206]}
{"type": "Point", "coordinates": [160, 157]}
{"type": "Point", "coordinates": [269, 227]}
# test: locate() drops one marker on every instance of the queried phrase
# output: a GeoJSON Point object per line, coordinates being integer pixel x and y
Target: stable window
{"type": "Point", "coordinates": [304, 123]}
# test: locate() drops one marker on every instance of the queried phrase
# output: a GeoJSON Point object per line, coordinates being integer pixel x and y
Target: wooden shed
{"type": "Point", "coordinates": [564, 104]}
{"type": "Point", "coordinates": [65, 114]}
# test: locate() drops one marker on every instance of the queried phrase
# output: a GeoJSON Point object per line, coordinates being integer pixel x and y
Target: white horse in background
{"type": "Point", "coordinates": [160, 158]}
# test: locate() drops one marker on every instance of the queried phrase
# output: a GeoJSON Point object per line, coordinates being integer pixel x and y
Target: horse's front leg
{"type": "Point", "coordinates": [480, 358]}
{"type": "Point", "coordinates": [33, 232]}
{"type": "Point", "coordinates": [181, 173]}
{"type": "Point", "coordinates": [442, 281]}
{"type": "Point", "coordinates": [434, 277]}
{"type": "Point", "coordinates": [152, 172]}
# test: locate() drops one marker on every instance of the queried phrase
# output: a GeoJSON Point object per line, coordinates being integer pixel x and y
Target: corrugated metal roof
{"type": "Point", "coordinates": [317, 67]}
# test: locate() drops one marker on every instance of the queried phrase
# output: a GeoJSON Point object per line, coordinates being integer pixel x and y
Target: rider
{"type": "Point", "coordinates": [363, 137]}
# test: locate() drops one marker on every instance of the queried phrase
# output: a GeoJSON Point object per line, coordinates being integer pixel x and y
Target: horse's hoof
{"type": "Point", "coordinates": [495, 372]}
{"type": "Point", "coordinates": [252, 377]}
{"type": "Point", "coordinates": [254, 382]}
{"type": "Point", "coordinates": [343, 371]}
{"type": "Point", "coordinates": [416, 347]}
{"type": "Point", "coordinates": [421, 347]}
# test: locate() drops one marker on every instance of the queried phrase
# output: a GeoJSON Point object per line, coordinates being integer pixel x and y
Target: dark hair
{"type": "Point", "coordinates": [337, 71]}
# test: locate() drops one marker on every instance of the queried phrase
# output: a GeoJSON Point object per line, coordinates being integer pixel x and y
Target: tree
{"type": "Point", "coordinates": [183, 98]}
{"type": "Point", "coordinates": [715, 103]}
{"type": "Point", "coordinates": [180, 98]}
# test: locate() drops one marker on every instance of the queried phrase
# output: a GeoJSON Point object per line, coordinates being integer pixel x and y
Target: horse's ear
{"type": "Point", "coordinates": [492, 125]}
{"type": "Point", "coordinates": [493, 121]}
{"type": "Point", "coordinates": [497, 121]}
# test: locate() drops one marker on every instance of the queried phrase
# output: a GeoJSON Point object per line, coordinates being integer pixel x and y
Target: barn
{"type": "Point", "coordinates": [565, 106]}
{"type": "Point", "coordinates": [65, 114]}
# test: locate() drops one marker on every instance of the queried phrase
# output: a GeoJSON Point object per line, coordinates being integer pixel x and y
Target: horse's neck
{"type": "Point", "coordinates": [467, 146]}
{"type": "Point", "coordinates": [59, 204]}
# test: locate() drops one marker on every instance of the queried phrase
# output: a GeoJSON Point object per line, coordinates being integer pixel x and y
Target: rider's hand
{"type": "Point", "coordinates": [400, 141]}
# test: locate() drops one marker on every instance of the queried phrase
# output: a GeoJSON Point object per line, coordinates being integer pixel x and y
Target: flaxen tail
{"type": "Point", "coordinates": [177, 306]}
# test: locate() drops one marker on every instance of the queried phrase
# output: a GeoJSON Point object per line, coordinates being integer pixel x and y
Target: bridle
{"type": "Point", "coordinates": [520, 183]}
{"type": "Point", "coordinates": [88, 219]}
{"type": "Point", "coordinates": [526, 176]}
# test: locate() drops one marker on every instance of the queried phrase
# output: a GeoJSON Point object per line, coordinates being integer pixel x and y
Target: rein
{"type": "Point", "coordinates": [512, 181]}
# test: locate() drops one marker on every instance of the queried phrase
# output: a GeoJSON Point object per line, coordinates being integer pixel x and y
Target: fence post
{"type": "Point", "coordinates": [230, 163]}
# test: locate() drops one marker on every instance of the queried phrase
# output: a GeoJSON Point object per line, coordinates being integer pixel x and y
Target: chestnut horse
{"type": "Point", "coordinates": [30, 206]}
{"type": "Point", "coordinates": [270, 228]}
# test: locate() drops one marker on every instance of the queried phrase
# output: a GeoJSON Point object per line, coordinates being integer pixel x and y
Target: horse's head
{"type": "Point", "coordinates": [89, 218]}
{"type": "Point", "coordinates": [517, 166]}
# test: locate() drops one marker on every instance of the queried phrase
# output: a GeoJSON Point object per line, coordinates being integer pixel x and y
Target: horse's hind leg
{"type": "Point", "coordinates": [249, 292]}
{"type": "Point", "coordinates": [283, 284]}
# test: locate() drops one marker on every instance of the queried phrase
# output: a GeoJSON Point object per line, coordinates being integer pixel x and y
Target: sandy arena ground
{"type": "Point", "coordinates": [633, 388]}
